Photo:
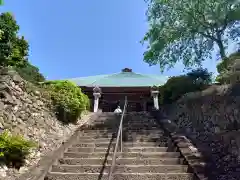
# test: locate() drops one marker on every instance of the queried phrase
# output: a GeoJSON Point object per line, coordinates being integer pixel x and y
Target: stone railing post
{"type": "Point", "coordinates": [154, 94]}
{"type": "Point", "coordinates": [97, 95]}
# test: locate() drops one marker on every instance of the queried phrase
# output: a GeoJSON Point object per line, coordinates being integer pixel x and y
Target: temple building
{"type": "Point", "coordinates": [108, 91]}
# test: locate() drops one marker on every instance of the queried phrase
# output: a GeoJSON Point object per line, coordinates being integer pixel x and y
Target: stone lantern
{"type": "Point", "coordinates": [97, 95]}
{"type": "Point", "coordinates": [155, 93]}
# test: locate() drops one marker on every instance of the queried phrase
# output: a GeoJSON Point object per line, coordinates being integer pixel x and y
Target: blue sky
{"type": "Point", "coordinates": [81, 38]}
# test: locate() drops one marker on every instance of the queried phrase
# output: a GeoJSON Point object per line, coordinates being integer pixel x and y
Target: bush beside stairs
{"type": "Point", "coordinates": [147, 152]}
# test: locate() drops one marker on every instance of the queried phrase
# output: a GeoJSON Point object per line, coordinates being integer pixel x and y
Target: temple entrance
{"type": "Point", "coordinates": [105, 91]}
{"type": "Point", "coordinates": [134, 106]}
{"type": "Point", "coordinates": [139, 98]}
{"type": "Point", "coordinates": [110, 106]}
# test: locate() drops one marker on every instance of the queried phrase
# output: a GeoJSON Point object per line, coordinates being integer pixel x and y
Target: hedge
{"type": "Point", "coordinates": [68, 99]}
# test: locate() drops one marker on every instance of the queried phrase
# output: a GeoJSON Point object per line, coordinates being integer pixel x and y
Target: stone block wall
{"type": "Point", "coordinates": [211, 119]}
{"type": "Point", "coordinates": [26, 110]}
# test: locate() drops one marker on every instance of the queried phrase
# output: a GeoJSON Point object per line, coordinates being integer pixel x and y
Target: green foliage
{"type": "Point", "coordinates": [10, 42]}
{"type": "Point", "coordinates": [14, 49]}
{"type": "Point", "coordinates": [177, 86]}
{"type": "Point", "coordinates": [70, 102]}
{"type": "Point", "coordinates": [14, 148]}
{"type": "Point", "coordinates": [200, 76]}
{"type": "Point", "coordinates": [224, 67]}
{"type": "Point", "coordinates": [188, 30]}
{"type": "Point", "coordinates": [226, 63]}
{"type": "Point", "coordinates": [30, 73]}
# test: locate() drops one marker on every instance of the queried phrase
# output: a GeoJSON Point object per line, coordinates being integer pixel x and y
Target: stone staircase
{"type": "Point", "coordinates": [147, 152]}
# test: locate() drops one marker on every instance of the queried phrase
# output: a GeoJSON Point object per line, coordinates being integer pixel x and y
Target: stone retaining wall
{"type": "Point", "coordinates": [210, 119]}
{"type": "Point", "coordinates": [26, 110]}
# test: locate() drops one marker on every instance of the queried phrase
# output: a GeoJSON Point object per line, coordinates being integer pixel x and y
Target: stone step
{"type": "Point", "coordinates": [125, 144]}
{"type": "Point", "coordinates": [141, 133]}
{"type": "Point", "coordinates": [120, 176]}
{"type": "Point", "coordinates": [125, 135]}
{"type": "Point", "coordinates": [117, 122]}
{"type": "Point", "coordinates": [120, 168]}
{"type": "Point", "coordinates": [94, 136]}
{"type": "Point", "coordinates": [123, 155]}
{"type": "Point", "coordinates": [120, 161]}
{"type": "Point", "coordinates": [92, 133]}
{"type": "Point", "coordinates": [100, 132]}
{"type": "Point", "coordinates": [131, 128]}
{"type": "Point", "coordinates": [125, 149]}
{"type": "Point", "coordinates": [145, 138]}
{"type": "Point", "coordinates": [153, 122]}
{"type": "Point", "coordinates": [146, 132]}
{"type": "Point", "coordinates": [140, 123]}
{"type": "Point", "coordinates": [135, 140]}
{"type": "Point", "coordinates": [84, 139]}
{"type": "Point", "coordinates": [95, 133]}
{"type": "Point", "coordinates": [139, 128]}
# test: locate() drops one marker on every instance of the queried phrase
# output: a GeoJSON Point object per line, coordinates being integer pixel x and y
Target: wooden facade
{"type": "Point", "coordinates": [139, 98]}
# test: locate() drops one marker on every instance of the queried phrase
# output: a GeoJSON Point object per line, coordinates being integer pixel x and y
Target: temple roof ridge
{"type": "Point", "coordinates": [125, 78]}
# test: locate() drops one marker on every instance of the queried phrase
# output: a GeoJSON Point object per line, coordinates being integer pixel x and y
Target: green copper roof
{"type": "Point", "coordinates": [122, 79]}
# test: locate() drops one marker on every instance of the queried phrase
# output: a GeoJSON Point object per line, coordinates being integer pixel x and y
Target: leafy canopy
{"type": "Point", "coordinates": [14, 49]}
{"type": "Point", "coordinates": [177, 86]}
{"type": "Point", "coordinates": [224, 67]}
{"type": "Point", "coordinates": [226, 63]}
{"type": "Point", "coordinates": [30, 73]}
{"type": "Point", "coordinates": [187, 30]}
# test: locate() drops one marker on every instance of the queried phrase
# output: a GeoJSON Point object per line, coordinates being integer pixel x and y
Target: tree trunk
{"type": "Point", "coordinates": [222, 50]}
{"type": "Point", "coordinates": [221, 46]}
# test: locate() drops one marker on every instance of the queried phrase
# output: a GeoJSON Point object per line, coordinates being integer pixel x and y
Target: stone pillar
{"type": "Point", "coordinates": [143, 103]}
{"type": "Point", "coordinates": [155, 98]}
{"type": "Point", "coordinates": [97, 95]}
{"type": "Point", "coordinates": [144, 106]}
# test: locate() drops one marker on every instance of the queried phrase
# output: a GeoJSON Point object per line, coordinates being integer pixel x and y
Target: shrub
{"type": "Point", "coordinates": [30, 73]}
{"type": "Point", "coordinates": [177, 86]}
{"type": "Point", "coordinates": [14, 149]}
{"type": "Point", "coordinates": [174, 88]}
{"type": "Point", "coordinates": [68, 99]}
{"type": "Point", "coordinates": [224, 67]}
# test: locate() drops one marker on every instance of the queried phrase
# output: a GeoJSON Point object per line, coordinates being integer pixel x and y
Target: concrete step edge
{"type": "Point", "coordinates": [93, 153]}
{"type": "Point", "coordinates": [125, 141]}
{"type": "Point", "coordinates": [127, 165]}
{"type": "Point", "coordinates": [68, 173]}
{"type": "Point", "coordinates": [129, 136]}
{"type": "Point", "coordinates": [120, 158]}
{"type": "Point", "coordinates": [135, 142]}
{"type": "Point", "coordinates": [128, 152]}
{"type": "Point", "coordinates": [130, 148]}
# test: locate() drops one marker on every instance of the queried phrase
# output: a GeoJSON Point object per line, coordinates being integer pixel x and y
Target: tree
{"type": "Point", "coordinates": [14, 49]}
{"type": "Point", "coordinates": [9, 29]}
{"type": "Point", "coordinates": [187, 30]}
{"type": "Point", "coordinates": [225, 66]}
{"type": "Point", "coordinates": [226, 63]}
{"type": "Point", "coordinates": [200, 76]}
{"type": "Point", "coordinates": [177, 86]}
{"type": "Point", "coordinates": [30, 73]}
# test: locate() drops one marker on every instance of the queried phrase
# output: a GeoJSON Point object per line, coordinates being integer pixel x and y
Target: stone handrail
{"type": "Point", "coordinates": [189, 152]}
